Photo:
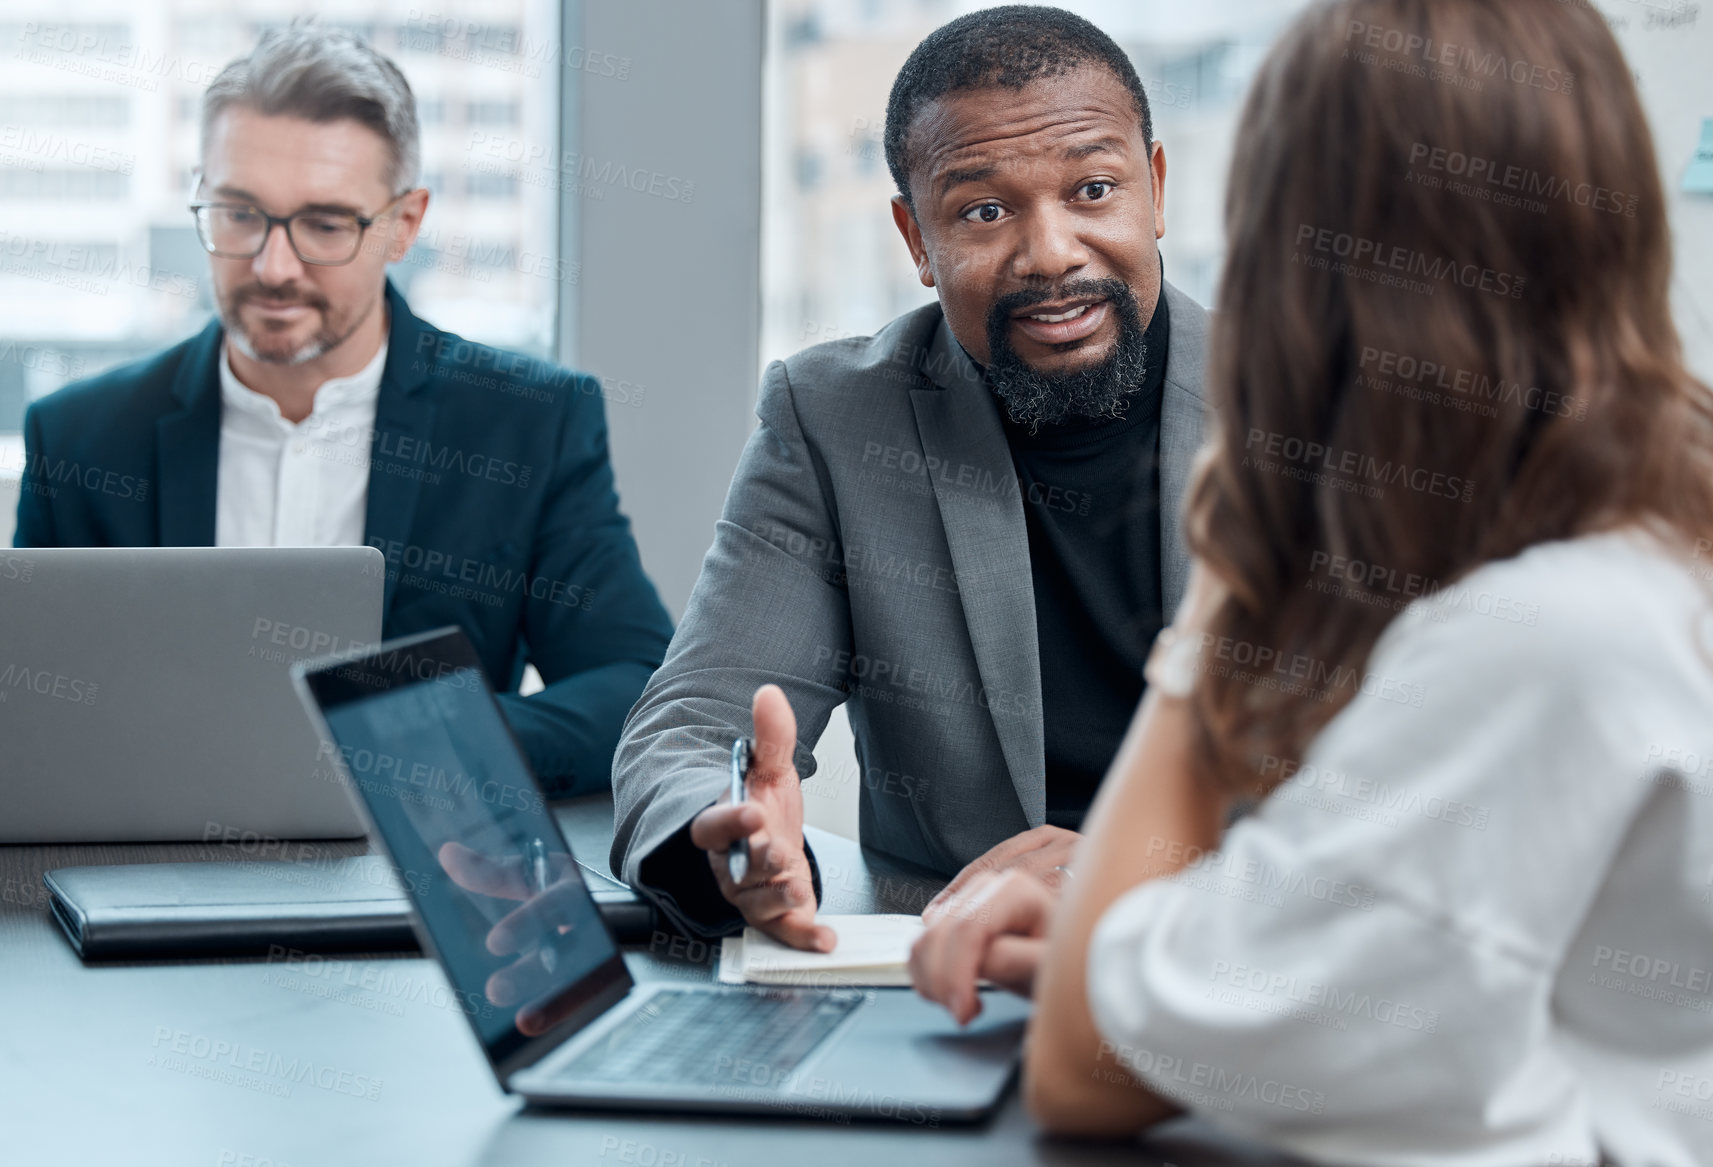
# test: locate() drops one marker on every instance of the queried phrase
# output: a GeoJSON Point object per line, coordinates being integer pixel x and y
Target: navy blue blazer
{"type": "Point", "coordinates": [490, 494]}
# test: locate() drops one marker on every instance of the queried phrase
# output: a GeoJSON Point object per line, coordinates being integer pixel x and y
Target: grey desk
{"type": "Point", "coordinates": [369, 1063]}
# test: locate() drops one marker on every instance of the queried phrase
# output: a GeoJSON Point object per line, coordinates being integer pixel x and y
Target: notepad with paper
{"type": "Point", "coordinates": [872, 951]}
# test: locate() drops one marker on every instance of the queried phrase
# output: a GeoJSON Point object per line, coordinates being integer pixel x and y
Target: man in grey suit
{"type": "Point", "coordinates": [968, 526]}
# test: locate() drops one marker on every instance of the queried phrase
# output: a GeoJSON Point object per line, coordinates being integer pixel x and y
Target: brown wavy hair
{"type": "Point", "coordinates": [1443, 335]}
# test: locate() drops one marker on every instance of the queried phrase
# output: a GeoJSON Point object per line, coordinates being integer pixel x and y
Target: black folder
{"type": "Point", "coordinates": [254, 908]}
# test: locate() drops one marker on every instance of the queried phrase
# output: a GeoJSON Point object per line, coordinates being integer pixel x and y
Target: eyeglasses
{"type": "Point", "coordinates": [240, 231]}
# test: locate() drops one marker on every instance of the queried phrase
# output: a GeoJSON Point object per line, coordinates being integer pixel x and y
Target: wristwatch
{"type": "Point", "coordinates": [1172, 663]}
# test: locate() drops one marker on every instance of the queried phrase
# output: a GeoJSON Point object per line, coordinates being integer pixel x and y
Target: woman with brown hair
{"type": "Point", "coordinates": [1450, 642]}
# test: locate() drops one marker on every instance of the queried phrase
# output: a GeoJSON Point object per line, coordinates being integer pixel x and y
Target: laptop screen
{"type": "Point", "coordinates": [477, 850]}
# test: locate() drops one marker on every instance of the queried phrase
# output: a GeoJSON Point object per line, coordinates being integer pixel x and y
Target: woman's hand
{"type": "Point", "coordinates": [995, 930]}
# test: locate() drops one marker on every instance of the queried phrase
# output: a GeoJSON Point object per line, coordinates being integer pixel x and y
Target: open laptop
{"type": "Point", "coordinates": [498, 902]}
{"type": "Point", "coordinates": [146, 694]}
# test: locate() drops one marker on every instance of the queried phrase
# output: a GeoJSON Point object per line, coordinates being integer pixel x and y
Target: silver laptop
{"type": "Point", "coordinates": [498, 901]}
{"type": "Point", "coordinates": [146, 693]}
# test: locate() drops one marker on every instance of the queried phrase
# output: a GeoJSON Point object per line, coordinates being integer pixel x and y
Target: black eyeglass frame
{"type": "Point", "coordinates": [364, 222]}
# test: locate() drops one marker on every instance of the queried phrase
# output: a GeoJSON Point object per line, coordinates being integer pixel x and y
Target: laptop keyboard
{"type": "Point", "coordinates": [745, 1039]}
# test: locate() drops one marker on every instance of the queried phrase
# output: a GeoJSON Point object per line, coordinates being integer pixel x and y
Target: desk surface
{"type": "Point", "coordinates": [88, 1074]}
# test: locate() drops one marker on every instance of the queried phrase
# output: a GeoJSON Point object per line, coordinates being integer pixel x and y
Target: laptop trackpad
{"type": "Point", "coordinates": [906, 1058]}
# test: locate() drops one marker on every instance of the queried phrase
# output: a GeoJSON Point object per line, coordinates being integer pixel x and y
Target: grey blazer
{"type": "Point", "coordinates": [873, 550]}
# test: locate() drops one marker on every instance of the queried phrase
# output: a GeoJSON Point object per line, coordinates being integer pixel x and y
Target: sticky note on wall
{"type": "Point", "coordinates": [1698, 179]}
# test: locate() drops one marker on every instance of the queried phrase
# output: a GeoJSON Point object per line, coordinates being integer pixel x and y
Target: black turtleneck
{"type": "Point", "coordinates": [1091, 500]}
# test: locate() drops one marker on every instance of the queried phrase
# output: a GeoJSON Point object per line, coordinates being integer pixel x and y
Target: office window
{"type": "Point", "coordinates": [63, 112]}
{"type": "Point", "coordinates": [492, 113]}
{"type": "Point", "coordinates": [22, 181]}
{"type": "Point", "coordinates": [99, 123]}
{"type": "Point", "coordinates": [833, 264]}
{"type": "Point", "coordinates": [492, 186]}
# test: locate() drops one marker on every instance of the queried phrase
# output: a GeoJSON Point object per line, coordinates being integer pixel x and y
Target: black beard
{"type": "Point", "coordinates": [1034, 399]}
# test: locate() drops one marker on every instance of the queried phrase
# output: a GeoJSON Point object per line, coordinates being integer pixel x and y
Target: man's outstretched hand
{"type": "Point", "coordinates": [777, 896]}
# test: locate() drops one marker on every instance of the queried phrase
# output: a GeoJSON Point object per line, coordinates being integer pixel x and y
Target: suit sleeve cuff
{"type": "Point", "coordinates": [677, 877]}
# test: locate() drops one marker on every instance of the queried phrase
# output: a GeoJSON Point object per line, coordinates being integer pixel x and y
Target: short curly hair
{"type": "Point", "coordinates": [1007, 47]}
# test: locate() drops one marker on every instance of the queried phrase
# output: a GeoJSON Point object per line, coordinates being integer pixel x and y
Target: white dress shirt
{"type": "Point", "coordinates": [1475, 926]}
{"type": "Point", "coordinates": [302, 485]}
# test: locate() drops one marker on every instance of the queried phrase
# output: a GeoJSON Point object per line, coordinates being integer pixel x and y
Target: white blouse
{"type": "Point", "coordinates": [1475, 925]}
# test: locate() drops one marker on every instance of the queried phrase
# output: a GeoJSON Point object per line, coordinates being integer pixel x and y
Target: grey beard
{"type": "Point", "coordinates": [318, 345]}
{"type": "Point", "coordinates": [315, 347]}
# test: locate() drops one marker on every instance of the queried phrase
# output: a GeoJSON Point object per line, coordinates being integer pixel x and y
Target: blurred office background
{"type": "Point", "coordinates": [665, 193]}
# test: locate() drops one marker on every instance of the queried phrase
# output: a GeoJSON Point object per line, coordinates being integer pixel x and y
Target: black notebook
{"type": "Point", "coordinates": [250, 908]}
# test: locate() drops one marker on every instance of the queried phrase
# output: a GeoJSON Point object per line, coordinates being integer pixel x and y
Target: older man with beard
{"type": "Point", "coordinates": [966, 526]}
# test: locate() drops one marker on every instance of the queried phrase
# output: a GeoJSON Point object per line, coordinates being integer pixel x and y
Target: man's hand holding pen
{"type": "Point", "coordinates": [773, 888]}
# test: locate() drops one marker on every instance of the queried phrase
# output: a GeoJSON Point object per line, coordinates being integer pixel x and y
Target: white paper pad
{"type": "Point", "coordinates": [872, 950]}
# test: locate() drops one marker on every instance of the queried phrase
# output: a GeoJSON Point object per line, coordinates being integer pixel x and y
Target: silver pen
{"type": "Point", "coordinates": [538, 865]}
{"type": "Point", "coordinates": [538, 879]}
{"type": "Point", "coordinates": [737, 856]}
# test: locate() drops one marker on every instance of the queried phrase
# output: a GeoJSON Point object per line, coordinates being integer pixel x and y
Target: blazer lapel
{"type": "Point", "coordinates": [404, 418]}
{"type": "Point", "coordinates": [188, 448]}
{"type": "Point", "coordinates": [981, 509]}
{"type": "Point", "coordinates": [1182, 416]}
